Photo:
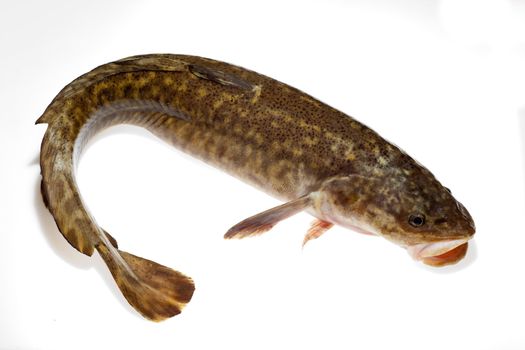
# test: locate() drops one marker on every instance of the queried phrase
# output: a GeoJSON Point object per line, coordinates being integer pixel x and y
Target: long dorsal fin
{"type": "Point", "coordinates": [220, 77]}
{"type": "Point", "coordinates": [141, 63]}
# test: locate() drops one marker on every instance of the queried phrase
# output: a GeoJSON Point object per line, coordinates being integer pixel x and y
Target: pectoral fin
{"type": "Point", "coordinates": [264, 221]}
{"type": "Point", "coordinates": [316, 230]}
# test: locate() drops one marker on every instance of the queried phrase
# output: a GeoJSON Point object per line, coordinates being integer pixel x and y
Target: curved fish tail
{"type": "Point", "coordinates": [155, 291]}
{"type": "Point", "coordinates": [61, 195]}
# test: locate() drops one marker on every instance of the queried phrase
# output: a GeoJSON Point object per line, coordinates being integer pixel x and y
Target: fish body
{"type": "Point", "coordinates": [260, 130]}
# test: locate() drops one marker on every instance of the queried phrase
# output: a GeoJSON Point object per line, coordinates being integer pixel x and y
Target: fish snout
{"type": "Point", "coordinates": [466, 225]}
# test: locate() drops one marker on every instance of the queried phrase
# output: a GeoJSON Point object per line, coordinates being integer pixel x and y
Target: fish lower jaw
{"type": "Point", "coordinates": [439, 253]}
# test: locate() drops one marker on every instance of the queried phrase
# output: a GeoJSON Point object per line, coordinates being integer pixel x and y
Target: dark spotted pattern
{"type": "Point", "coordinates": [258, 129]}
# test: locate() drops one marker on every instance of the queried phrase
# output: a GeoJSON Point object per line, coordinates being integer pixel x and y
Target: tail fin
{"type": "Point", "coordinates": [75, 114]}
{"type": "Point", "coordinates": [155, 291]}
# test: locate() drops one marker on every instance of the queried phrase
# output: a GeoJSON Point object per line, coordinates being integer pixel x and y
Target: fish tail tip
{"type": "Point", "coordinates": [157, 292]}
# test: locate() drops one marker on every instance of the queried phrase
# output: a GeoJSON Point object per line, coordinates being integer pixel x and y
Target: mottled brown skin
{"type": "Point", "coordinates": [267, 133]}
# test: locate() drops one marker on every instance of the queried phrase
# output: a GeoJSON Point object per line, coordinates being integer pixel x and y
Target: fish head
{"type": "Point", "coordinates": [414, 211]}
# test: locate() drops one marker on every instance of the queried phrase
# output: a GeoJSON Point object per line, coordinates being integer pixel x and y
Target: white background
{"type": "Point", "coordinates": [445, 80]}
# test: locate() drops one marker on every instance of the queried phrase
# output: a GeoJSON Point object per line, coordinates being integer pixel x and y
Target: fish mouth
{"type": "Point", "coordinates": [440, 253]}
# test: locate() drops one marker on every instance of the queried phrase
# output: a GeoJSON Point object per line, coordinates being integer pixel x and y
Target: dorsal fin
{"type": "Point", "coordinates": [220, 77]}
{"type": "Point", "coordinates": [130, 64]}
{"type": "Point", "coordinates": [151, 63]}
{"type": "Point", "coordinates": [126, 65]}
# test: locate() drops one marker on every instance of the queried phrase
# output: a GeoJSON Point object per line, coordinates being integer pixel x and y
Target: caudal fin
{"type": "Point", "coordinates": [155, 291]}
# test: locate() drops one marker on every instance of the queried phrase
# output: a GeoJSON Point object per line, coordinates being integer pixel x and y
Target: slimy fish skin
{"type": "Point", "coordinates": [271, 135]}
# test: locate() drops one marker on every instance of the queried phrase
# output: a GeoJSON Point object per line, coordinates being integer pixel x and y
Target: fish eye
{"type": "Point", "coordinates": [416, 220]}
{"type": "Point", "coordinates": [448, 190]}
